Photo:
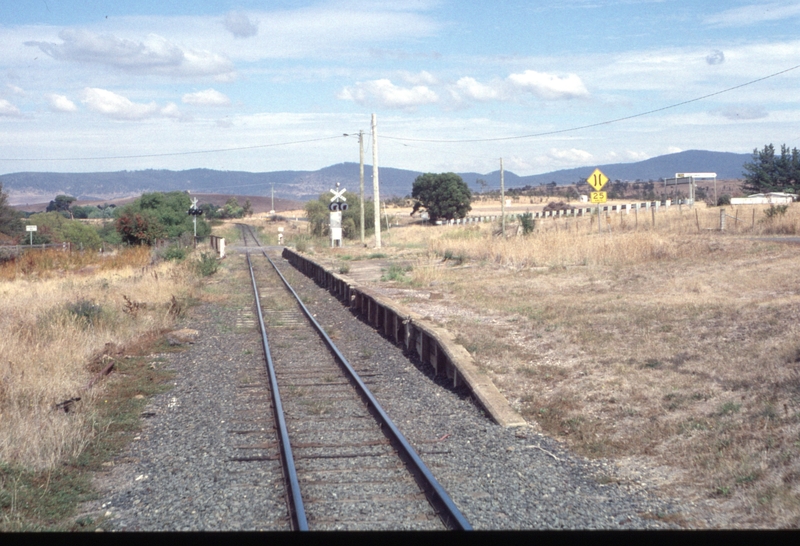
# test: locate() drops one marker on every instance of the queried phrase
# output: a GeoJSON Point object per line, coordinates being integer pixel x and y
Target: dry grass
{"type": "Point", "coordinates": [57, 312]}
{"type": "Point", "coordinates": [676, 346]}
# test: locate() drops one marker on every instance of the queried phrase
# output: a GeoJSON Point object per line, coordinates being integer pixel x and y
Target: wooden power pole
{"type": "Point", "coordinates": [361, 177]}
{"type": "Point", "coordinates": [502, 199]}
{"type": "Point", "coordinates": [375, 185]}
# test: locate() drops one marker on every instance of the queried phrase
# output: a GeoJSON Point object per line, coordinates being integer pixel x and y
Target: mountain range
{"type": "Point", "coordinates": [31, 187]}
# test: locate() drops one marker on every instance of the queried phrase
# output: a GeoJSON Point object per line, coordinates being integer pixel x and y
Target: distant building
{"type": "Point", "coordinates": [773, 198]}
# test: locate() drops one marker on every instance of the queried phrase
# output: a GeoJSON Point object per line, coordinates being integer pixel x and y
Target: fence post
{"type": "Point", "coordinates": [722, 219]}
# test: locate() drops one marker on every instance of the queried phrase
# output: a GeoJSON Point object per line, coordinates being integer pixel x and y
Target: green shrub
{"type": "Point", "coordinates": [344, 269]}
{"type": "Point", "coordinates": [86, 310]}
{"type": "Point", "coordinates": [396, 273]}
{"type": "Point", "coordinates": [207, 265]}
{"type": "Point", "coordinates": [776, 210]}
{"type": "Point", "coordinates": [174, 252]}
{"type": "Point", "coordinates": [724, 200]}
{"type": "Point", "coordinates": [457, 259]}
{"type": "Point", "coordinates": [527, 222]}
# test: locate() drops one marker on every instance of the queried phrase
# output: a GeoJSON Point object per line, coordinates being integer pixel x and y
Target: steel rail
{"type": "Point", "coordinates": [449, 512]}
{"type": "Point", "coordinates": [299, 520]}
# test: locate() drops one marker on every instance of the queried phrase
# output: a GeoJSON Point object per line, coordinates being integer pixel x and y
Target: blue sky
{"type": "Point", "coordinates": [95, 85]}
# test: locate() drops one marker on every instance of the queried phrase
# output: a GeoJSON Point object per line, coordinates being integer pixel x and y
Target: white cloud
{"type": "Point", "coordinates": [9, 110]}
{"type": "Point", "coordinates": [754, 14]}
{"type": "Point", "coordinates": [208, 97]}
{"type": "Point", "coordinates": [385, 93]}
{"type": "Point", "coordinates": [171, 111]}
{"type": "Point", "coordinates": [154, 55]}
{"type": "Point", "coordinates": [329, 30]}
{"type": "Point", "coordinates": [240, 25]}
{"type": "Point", "coordinates": [116, 106]}
{"type": "Point", "coordinates": [548, 86]}
{"type": "Point", "coordinates": [421, 78]}
{"type": "Point", "coordinates": [635, 156]}
{"type": "Point", "coordinates": [15, 89]}
{"type": "Point", "coordinates": [475, 90]}
{"type": "Point", "coordinates": [572, 155]}
{"type": "Point", "coordinates": [60, 103]}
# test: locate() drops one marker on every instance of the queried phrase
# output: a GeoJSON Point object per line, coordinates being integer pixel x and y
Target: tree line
{"type": "Point", "coordinates": [151, 217]}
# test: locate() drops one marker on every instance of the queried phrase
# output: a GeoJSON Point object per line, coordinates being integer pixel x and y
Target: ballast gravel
{"type": "Point", "coordinates": [184, 471]}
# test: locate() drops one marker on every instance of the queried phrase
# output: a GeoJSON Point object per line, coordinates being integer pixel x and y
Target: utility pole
{"type": "Point", "coordinates": [361, 177]}
{"type": "Point", "coordinates": [375, 185]}
{"type": "Point", "coordinates": [272, 210]}
{"type": "Point", "coordinates": [502, 199]}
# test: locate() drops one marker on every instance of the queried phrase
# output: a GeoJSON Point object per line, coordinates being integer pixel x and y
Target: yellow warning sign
{"type": "Point", "coordinates": [598, 196]}
{"type": "Point", "coordinates": [597, 180]}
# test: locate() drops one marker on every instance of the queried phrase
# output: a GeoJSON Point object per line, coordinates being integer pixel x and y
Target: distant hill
{"type": "Point", "coordinates": [31, 187]}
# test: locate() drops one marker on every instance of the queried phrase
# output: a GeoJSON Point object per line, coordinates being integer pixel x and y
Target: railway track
{"type": "Point", "coordinates": [345, 463]}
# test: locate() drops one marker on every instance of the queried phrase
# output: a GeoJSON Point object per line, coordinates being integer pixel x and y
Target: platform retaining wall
{"type": "Point", "coordinates": [433, 345]}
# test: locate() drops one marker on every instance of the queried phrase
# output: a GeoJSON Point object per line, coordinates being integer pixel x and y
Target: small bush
{"type": "Point", "coordinates": [457, 259]}
{"type": "Point", "coordinates": [175, 253]}
{"type": "Point", "coordinates": [86, 310]}
{"type": "Point", "coordinates": [396, 273]}
{"type": "Point", "coordinates": [526, 220]}
{"type": "Point", "coordinates": [774, 211]}
{"type": "Point", "coordinates": [207, 265]}
{"type": "Point", "coordinates": [344, 269]}
{"type": "Point", "coordinates": [724, 200]}
{"type": "Point", "coordinates": [301, 244]}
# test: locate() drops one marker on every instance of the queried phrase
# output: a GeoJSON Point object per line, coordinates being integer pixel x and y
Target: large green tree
{"type": "Point", "coordinates": [61, 203]}
{"type": "Point", "coordinates": [445, 196]}
{"type": "Point", "coordinates": [770, 172]}
{"type": "Point", "coordinates": [157, 215]}
{"type": "Point", "coordinates": [10, 224]}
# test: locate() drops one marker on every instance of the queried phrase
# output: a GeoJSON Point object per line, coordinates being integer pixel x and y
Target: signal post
{"type": "Point", "coordinates": [337, 206]}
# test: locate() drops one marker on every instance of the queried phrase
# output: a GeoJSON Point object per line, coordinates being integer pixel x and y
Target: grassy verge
{"type": "Point", "coordinates": [64, 318]}
{"type": "Point", "coordinates": [47, 499]}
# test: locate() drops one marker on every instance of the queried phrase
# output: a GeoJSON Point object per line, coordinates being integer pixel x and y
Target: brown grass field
{"type": "Point", "coordinates": [672, 350]}
{"type": "Point", "coordinates": [59, 312]}
{"type": "Point", "coordinates": [64, 317]}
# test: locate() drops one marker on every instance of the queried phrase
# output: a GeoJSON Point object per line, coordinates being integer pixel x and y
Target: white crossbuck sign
{"type": "Point", "coordinates": [338, 194]}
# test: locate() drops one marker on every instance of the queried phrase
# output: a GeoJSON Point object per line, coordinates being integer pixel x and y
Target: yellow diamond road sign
{"type": "Point", "coordinates": [597, 180]}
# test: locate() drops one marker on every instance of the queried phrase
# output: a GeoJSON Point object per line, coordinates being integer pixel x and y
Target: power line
{"type": "Point", "coordinates": [496, 139]}
{"type": "Point", "coordinates": [168, 154]}
{"type": "Point", "coordinates": [607, 122]}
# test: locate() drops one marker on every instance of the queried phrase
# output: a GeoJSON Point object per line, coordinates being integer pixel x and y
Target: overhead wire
{"type": "Point", "coordinates": [598, 124]}
{"type": "Point", "coordinates": [408, 139]}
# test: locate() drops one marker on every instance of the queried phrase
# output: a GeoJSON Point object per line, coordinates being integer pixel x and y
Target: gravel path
{"type": "Point", "coordinates": [181, 472]}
